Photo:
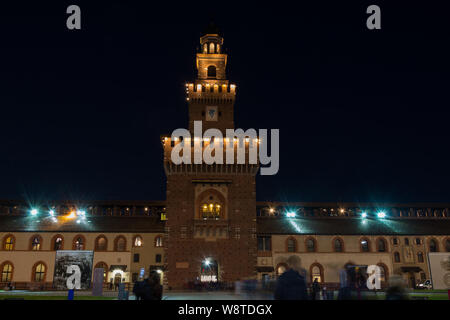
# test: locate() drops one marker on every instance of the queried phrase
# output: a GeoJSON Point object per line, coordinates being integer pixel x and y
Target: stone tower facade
{"type": "Point", "coordinates": [211, 208]}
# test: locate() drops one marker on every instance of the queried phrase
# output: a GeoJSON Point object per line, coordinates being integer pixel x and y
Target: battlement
{"type": "Point", "coordinates": [218, 90]}
{"type": "Point", "coordinates": [198, 145]}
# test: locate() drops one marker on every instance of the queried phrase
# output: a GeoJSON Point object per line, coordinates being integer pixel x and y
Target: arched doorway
{"type": "Point", "coordinates": [209, 271]}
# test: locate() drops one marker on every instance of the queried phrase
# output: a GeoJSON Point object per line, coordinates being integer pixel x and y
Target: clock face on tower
{"type": "Point", "coordinates": [211, 113]}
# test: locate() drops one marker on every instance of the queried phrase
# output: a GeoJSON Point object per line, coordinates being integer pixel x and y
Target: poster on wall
{"type": "Point", "coordinates": [439, 266]}
{"type": "Point", "coordinates": [73, 269]}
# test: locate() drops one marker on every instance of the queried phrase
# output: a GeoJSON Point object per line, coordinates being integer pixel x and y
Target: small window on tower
{"type": "Point", "coordinates": [211, 47]}
{"type": "Point", "coordinates": [211, 72]}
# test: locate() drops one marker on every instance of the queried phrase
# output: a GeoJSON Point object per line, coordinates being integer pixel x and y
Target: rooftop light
{"type": "Point", "coordinates": [52, 212]}
{"type": "Point", "coordinates": [381, 214]}
{"type": "Point", "coordinates": [364, 214]}
{"type": "Point", "coordinates": [34, 212]}
{"type": "Point", "coordinates": [290, 214]}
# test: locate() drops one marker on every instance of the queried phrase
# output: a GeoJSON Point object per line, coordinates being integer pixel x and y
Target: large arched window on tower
{"type": "Point", "coordinates": [211, 72]}
{"type": "Point", "coordinates": [211, 47]}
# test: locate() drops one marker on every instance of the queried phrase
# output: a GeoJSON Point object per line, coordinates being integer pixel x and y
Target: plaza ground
{"type": "Point", "coordinates": [195, 295]}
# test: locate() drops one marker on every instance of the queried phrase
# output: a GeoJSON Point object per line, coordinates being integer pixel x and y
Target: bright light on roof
{"type": "Point", "coordinates": [364, 214]}
{"type": "Point", "coordinates": [81, 213]}
{"type": "Point", "coordinates": [34, 212]}
{"type": "Point", "coordinates": [78, 221]}
{"type": "Point", "coordinates": [290, 214]}
{"type": "Point", "coordinates": [381, 214]}
{"type": "Point", "coordinates": [52, 212]}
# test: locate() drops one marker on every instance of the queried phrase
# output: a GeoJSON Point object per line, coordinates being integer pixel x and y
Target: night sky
{"type": "Point", "coordinates": [363, 115]}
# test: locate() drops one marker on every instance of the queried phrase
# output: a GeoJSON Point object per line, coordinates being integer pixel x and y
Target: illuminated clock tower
{"type": "Point", "coordinates": [211, 209]}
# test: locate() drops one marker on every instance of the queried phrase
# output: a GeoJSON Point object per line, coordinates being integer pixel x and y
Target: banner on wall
{"type": "Point", "coordinates": [73, 269]}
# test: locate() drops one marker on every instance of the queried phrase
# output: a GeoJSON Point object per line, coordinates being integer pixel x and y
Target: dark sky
{"type": "Point", "coordinates": [363, 115]}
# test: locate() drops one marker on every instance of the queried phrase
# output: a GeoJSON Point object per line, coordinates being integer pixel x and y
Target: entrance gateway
{"type": "Point", "coordinates": [209, 271]}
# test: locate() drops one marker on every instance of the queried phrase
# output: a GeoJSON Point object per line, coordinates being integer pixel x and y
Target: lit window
{"type": "Point", "coordinates": [138, 241]}
{"type": "Point", "coordinates": [57, 245]}
{"type": "Point", "coordinates": [316, 274]}
{"type": "Point", "coordinates": [9, 243]}
{"type": "Point", "coordinates": [39, 272]}
{"type": "Point", "coordinates": [36, 243]}
{"type": "Point", "coordinates": [158, 241]}
{"type": "Point", "coordinates": [211, 47]}
{"type": "Point", "coordinates": [211, 210]}
{"type": "Point", "coordinates": [79, 244]}
{"type": "Point", "coordinates": [6, 272]}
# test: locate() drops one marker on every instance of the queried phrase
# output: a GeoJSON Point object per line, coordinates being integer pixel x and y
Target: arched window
{"type": "Point", "coordinates": [338, 245]}
{"type": "Point", "coordinates": [57, 242]}
{"type": "Point", "coordinates": [101, 243]}
{"type": "Point", "coordinates": [381, 245]}
{"type": "Point", "coordinates": [383, 272]}
{"type": "Point", "coordinates": [211, 72]}
{"type": "Point", "coordinates": [35, 243]}
{"type": "Point", "coordinates": [420, 257]}
{"type": "Point", "coordinates": [79, 243]}
{"type": "Point", "coordinates": [39, 272]}
{"type": "Point", "coordinates": [104, 266]}
{"type": "Point", "coordinates": [395, 241]}
{"type": "Point", "coordinates": [316, 272]}
{"type": "Point", "coordinates": [433, 246]}
{"type": "Point", "coordinates": [205, 48]}
{"type": "Point", "coordinates": [396, 256]}
{"type": "Point", "coordinates": [211, 210]}
{"type": "Point", "coordinates": [6, 269]}
{"type": "Point", "coordinates": [311, 245]}
{"type": "Point", "coordinates": [158, 241]}
{"type": "Point", "coordinates": [406, 242]}
{"type": "Point", "coordinates": [291, 245]}
{"type": "Point", "coordinates": [9, 242]}
{"type": "Point", "coordinates": [211, 47]}
{"type": "Point", "coordinates": [447, 245]}
{"type": "Point", "coordinates": [365, 245]}
{"type": "Point", "coordinates": [138, 241]}
{"type": "Point", "coordinates": [120, 244]}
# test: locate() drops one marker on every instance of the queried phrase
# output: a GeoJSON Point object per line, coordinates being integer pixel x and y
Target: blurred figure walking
{"type": "Point", "coordinates": [315, 290]}
{"type": "Point", "coordinates": [396, 290]}
{"type": "Point", "coordinates": [291, 284]}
